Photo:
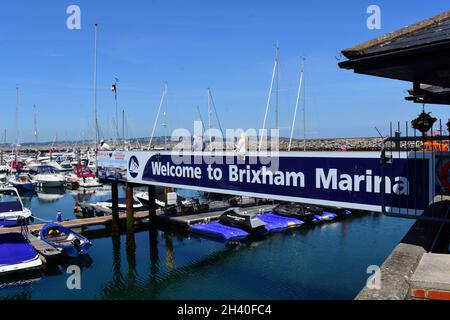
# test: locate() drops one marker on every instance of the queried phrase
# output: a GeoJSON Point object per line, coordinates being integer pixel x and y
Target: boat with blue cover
{"type": "Point", "coordinates": [232, 225]}
{"type": "Point", "coordinates": [17, 254]}
{"type": "Point", "coordinates": [275, 222]}
{"type": "Point", "coordinates": [219, 231]}
{"type": "Point", "coordinates": [330, 214]}
{"type": "Point", "coordinates": [325, 216]}
{"type": "Point", "coordinates": [70, 243]}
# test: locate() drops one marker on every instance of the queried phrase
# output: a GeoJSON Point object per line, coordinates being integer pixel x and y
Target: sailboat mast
{"type": "Point", "coordinates": [209, 119]}
{"type": "Point", "coordinates": [157, 116]}
{"type": "Point", "coordinates": [16, 124]}
{"type": "Point", "coordinates": [296, 104]}
{"type": "Point", "coordinates": [267, 104]}
{"type": "Point", "coordinates": [304, 106]}
{"type": "Point", "coordinates": [95, 97]}
{"type": "Point", "coordinates": [114, 89]}
{"type": "Point", "coordinates": [123, 127]}
{"type": "Point", "coordinates": [277, 50]}
{"type": "Point", "coordinates": [165, 124]}
{"type": "Point", "coordinates": [200, 118]}
{"type": "Point", "coordinates": [16, 119]}
{"type": "Point", "coordinates": [35, 126]}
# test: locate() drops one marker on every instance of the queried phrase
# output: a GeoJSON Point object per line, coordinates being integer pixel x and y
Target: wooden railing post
{"type": "Point", "coordinates": [115, 207]}
{"type": "Point", "coordinates": [130, 211]}
{"type": "Point", "coordinates": [152, 204]}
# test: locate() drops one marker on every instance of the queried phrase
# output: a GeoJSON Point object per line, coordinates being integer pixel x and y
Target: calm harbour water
{"type": "Point", "coordinates": [326, 261]}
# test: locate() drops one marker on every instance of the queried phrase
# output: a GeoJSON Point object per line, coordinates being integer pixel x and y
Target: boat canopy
{"type": "Point", "coordinates": [43, 169]}
{"type": "Point", "coordinates": [9, 201]}
{"type": "Point", "coordinates": [15, 249]}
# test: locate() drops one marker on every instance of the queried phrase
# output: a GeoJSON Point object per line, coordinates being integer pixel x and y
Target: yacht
{"type": "Point", "coordinates": [47, 176]}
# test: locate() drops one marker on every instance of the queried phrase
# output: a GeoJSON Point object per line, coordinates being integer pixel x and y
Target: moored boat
{"type": "Point", "coordinates": [300, 211]}
{"type": "Point", "coordinates": [219, 231]}
{"type": "Point", "coordinates": [23, 183]}
{"type": "Point", "coordinates": [122, 204]}
{"type": "Point", "coordinates": [246, 221]}
{"type": "Point", "coordinates": [11, 208]}
{"type": "Point", "coordinates": [47, 176]}
{"type": "Point", "coordinates": [17, 254]}
{"type": "Point", "coordinates": [233, 225]}
{"type": "Point", "coordinates": [70, 243]}
{"type": "Point", "coordinates": [143, 198]}
{"type": "Point", "coordinates": [82, 178]}
{"type": "Point", "coordinates": [275, 223]}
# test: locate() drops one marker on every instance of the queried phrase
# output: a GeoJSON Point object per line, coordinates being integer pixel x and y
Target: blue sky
{"type": "Point", "coordinates": [225, 45]}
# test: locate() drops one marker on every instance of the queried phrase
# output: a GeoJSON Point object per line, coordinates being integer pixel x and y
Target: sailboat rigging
{"type": "Point", "coordinates": [163, 98]}
{"type": "Point", "coordinates": [36, 140]}
{"type": "Point", "coordinates": [212, 108]}
{"type": "Point", "coordinates": [300, 87]}
{"type": "Point", "coordinates": [274, 73]}
{"type": "Point", "coordinates": [95, 98]}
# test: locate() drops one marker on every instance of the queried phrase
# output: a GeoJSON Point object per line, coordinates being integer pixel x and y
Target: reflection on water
{"type": "Point", "coordinates": [328, 261]}
{"type": "Point", "coordinates": [45, 202]}
{"type": "Point", "coordinates": [46, 195]}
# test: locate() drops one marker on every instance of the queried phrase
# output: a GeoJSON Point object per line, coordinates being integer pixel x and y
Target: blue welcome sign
{"type": "Point", "coordinates": [341, 179]}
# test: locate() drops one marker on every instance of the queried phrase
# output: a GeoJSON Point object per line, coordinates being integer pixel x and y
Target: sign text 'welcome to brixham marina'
{"type": "Point", "coordinates": [351, 180]}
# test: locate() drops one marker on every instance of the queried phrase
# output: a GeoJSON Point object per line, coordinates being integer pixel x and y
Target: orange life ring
{"type": "Point", "coordinates": [443, 176]}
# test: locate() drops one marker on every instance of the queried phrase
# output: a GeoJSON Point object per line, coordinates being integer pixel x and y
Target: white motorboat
{"type": "Point", "coordinates": [17, 254]}
{"type": "Point", "coordinates": [47, 176]}
{"type": "Point", "coordinates": [143, 197]}
{"type": "Point", "coordinates": [11, 207]}
{"type": "Point", "coordinates": [122, 204]}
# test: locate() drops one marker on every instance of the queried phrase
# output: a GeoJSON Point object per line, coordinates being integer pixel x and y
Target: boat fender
{"type": "Point", "coordinates": [53, 231]}
{"type": "Point", "coordinates": [443, 176]}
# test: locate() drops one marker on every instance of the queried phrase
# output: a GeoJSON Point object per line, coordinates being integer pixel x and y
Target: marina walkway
{"type": "Point", "coordinates": [184, 220]}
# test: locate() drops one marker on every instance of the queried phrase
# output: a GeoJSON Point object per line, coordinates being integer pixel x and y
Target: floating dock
{"type": "Point", "coordinates": [191, 219]}
{"type": "Point", "coordinates": [179, 220]}
{"type": "Point", "coordinates": [43, 248]}
{"type": "Point", "coordinates": [80, 223]}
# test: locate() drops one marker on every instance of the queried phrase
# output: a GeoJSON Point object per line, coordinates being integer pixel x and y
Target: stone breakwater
{"type": "Point", "coordinates": [335, 144]}
{"type": "Point", "coordinates": [325, 144]}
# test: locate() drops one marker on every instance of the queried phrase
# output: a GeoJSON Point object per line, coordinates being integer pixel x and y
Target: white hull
{"type": "Point", "coordinates": [143, 197]}
{"type": "Point", "coordinates": [20, 210]}
{"type": "Point", "coordinates": [12, 216]}
{"type": "Point", "coordinates": [28, 265]}
{"type": "Point", "coordinates": [83, 183]}
{"type": "Point", "coordinates": [50, 184]}
{"type": "Point", "coordinates": [48, 197]}
{"type": "Point", "coordinates": [50, 181]}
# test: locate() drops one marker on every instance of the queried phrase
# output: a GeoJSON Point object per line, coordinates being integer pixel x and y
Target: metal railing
{"type": "Point", "coordinates": [426, 158]}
